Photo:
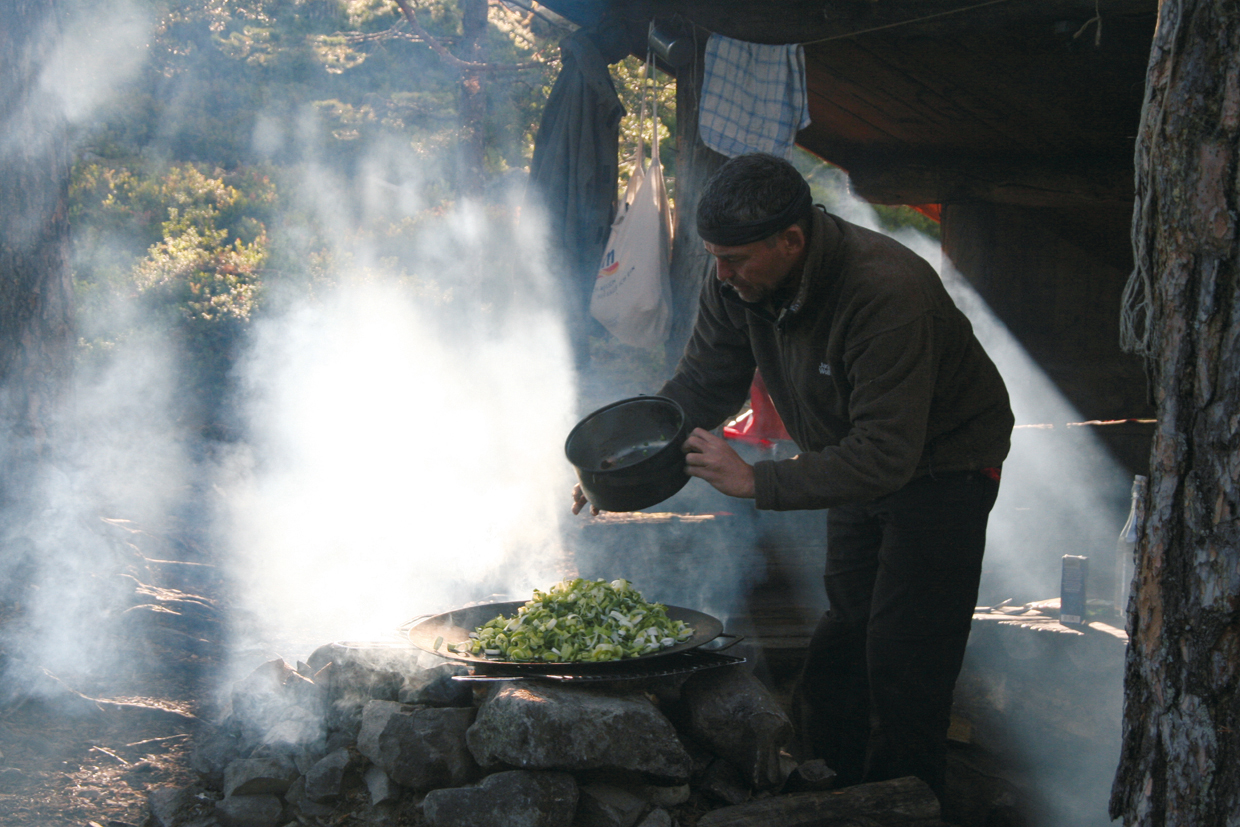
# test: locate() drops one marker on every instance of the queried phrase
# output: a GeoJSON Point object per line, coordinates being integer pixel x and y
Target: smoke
{"type": "Point", "coordinates": [117, 455]}
{"type": "Point", "coordinates": [1062, 492]}
{"type": "Point", "coordinates": [401, 411]}
{"type": "Point", "coordinates": [404, 438]}
{"type": "Point", "coordinates": [100, 50]}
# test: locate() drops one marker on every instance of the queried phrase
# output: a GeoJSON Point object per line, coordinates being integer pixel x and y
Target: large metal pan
{"type": "Point", "coordinates": [455, 626]}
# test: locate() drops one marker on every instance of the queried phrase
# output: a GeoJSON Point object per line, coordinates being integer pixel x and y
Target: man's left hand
{"type": "Point", "coordinates": [711, 458]}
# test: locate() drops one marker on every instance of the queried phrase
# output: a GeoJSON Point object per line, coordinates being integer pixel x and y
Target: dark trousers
{"type": "Point", "coordinates": [902, 576]}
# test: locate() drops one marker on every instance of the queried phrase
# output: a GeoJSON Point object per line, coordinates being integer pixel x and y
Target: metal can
{"type": "Point", "coordinates": [1072, 589]}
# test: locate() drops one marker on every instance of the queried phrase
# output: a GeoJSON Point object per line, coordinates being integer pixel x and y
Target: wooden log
{"type": "Point", "coordinates": [902, 802]}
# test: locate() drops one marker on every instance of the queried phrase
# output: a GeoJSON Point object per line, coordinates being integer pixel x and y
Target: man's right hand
{"type": "Point", "coordinates": [580, 502]}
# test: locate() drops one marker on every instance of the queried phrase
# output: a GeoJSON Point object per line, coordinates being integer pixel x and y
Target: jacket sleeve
{"type": "Point", "coordinates": [893, 377]}
{"type": "Point", "coordinates": [712, 380]}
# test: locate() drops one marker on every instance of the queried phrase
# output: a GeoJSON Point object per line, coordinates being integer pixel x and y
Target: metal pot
{"type": "Point", "coordinates": [628, 454]}
{"type": "Point", "coordinates": [455, 626]}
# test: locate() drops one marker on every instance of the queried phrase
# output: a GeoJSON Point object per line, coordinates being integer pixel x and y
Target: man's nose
{"type": "Point", "coordinates": [722, 271]}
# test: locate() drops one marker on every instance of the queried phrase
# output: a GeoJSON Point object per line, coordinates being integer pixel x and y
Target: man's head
{"type": "Point", "coordinates": [754, 218]}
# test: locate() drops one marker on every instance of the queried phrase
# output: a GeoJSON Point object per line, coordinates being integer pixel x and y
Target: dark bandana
{"type": "Point", "coordinates": [747, 232]}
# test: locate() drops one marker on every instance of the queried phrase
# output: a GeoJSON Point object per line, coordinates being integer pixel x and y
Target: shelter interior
{"type": "Point", "coordinates": [1018, 120]}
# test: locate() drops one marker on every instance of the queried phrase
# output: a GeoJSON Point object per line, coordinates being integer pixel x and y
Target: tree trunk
{"type": "Point", "coordinates": [36, 295]}
{"type": "Point", "coordinates": [473, 103]}
{"type": "Point", "coordinates": [1180, 763]}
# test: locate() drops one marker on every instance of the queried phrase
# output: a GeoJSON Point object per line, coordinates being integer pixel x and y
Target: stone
{"type": "Point", "coordinates": [606, 805]}
{"type": "Point", "coordinates": [11, 778]}
{"type": "Point", "coordinates": [658, 817]}
{"type": "Point", "coordinates": [375, 673]}
{"type": "Point", "coordinates": [902, 802]}
{"type": "Point", "coordinates": [338, 739]}
{"type": "Point", "coordinates": [809, 777]}
{"type": "Point", "coordinates": [214, 748]}
{"type": "Point", "coordinates": [275, 705]}
{"type": "Point", "coordinates": [660, 796]}
{"type": "Point", "coordinates": [297, 799]}
{"type": "Point", "coordinates": [307, 756]}
{"type": "Point", "coordinates": [344, 715]}
{"type": "Point", "coordinates": [382, 789]}
{"type": "Point", "coordinates": [536, 726]}
{"type": "Point", "coordinates": [732, 713]}
{"type": "Point", "coordinates": [180, 807]}
{"type": "Point", "coordinates": [723, 781]}
{"type": "Point", "coordinates": [300, 730]}
{"type": "Point", "coordinates": [356, 675]}
{"type": "Point", "coordinates": [516, 798]}
{"type": "Point", "coordinates": [320, 658]}
{"type": "Point", "coordinates": [257, 776]}
{"type": "Point", "coordinates": [435, 687]}
{"type": "Point", "coordinates": [249, 811]}
{"type": "Point", "coordinates": [325, 780]}
{"type": "Point", "coordinates": [259, 696]}
{"type": "Point", "coordinates": [419, 748]}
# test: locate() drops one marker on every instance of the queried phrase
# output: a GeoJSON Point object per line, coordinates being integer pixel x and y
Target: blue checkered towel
{"type": "Point", "coordinates": [753, 97]}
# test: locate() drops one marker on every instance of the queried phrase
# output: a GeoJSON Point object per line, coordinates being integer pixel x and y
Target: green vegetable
{"type": "Point", "coordinates": [579, 621]}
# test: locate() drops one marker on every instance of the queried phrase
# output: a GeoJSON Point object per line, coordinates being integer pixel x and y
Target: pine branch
{"type": "Point", "coordinates": [451, 59]}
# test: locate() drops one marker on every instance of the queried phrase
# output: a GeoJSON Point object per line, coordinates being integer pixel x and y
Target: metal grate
{"type": "Point", "coordinates": [678, 663]}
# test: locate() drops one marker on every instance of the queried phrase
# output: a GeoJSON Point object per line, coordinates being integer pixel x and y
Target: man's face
{"type": "Point", "coordinates": [758, 269]}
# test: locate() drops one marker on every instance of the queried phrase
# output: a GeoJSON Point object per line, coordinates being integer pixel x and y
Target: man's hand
{"type": "Point", "coordinates": [711, 458]}
{"type": "Point", "coordinates": [580, 501]}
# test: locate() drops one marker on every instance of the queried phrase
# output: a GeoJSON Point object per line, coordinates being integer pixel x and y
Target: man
{"type": "Point", "coordinates": [903, 422]}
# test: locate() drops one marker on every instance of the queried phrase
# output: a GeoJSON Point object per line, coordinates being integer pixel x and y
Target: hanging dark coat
{"type": "Point", "coordinates": [574, 172]}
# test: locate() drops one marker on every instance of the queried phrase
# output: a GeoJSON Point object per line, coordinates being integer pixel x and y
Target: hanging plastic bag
{"type": "Point", "coordinates": [632, 295]}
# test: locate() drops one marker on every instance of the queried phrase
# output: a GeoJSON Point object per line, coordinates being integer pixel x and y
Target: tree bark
{"type": "Point", "coordinates": [1180, 763]}
{"type": "Point", "coordinates": [472, 102]}
{"type": "Point", "coordinates": [36, 295]}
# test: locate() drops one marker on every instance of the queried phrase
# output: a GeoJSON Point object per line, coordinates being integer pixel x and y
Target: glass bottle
{"type": "Point", "coordinates": [1125, 547]}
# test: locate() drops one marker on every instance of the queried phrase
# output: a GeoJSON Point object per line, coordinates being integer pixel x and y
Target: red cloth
{"type": "Point", "coordinates": [761, 424]}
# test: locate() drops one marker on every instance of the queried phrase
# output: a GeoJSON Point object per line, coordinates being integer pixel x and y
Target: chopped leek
{"type": "Point", "coordinates": [579, 621]}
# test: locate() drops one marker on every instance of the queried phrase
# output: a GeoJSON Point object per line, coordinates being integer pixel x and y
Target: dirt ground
{"type": "Point", "coordinates": [81, 767]}
{"type": "Point", "coordinates": [86, 750]}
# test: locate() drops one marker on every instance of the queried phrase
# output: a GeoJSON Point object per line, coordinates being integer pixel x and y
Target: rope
{"type": "Point", "coordinates": [909, 22]}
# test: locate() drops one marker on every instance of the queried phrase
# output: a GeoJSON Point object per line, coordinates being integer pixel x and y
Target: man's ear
{"type": "Point", "coordinates": [793, 239]}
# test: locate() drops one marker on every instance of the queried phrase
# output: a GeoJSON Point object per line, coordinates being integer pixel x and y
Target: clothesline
{"type": "Point", "coordinates": [947, 13]}
{"type": "Point", "coordinates": [908, 22]}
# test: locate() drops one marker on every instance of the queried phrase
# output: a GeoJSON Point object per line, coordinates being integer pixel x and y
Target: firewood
{"type": "Point", "coordinates": [903, 802]}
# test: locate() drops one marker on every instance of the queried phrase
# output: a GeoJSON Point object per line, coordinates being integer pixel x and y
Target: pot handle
{"type": "Point", "coordinates": [709, 646]}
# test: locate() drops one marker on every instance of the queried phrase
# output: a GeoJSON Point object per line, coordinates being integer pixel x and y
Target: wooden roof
{"type": "Point", "coordinates": [1031, 102]}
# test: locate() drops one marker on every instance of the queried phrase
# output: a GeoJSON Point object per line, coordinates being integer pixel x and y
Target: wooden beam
{"type": "Point", "coordinates": [1023, 182]}
{"type": "Point", "coordinates": [799, 21]}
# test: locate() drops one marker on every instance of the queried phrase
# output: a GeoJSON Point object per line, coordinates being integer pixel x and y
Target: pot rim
{"type": "Point", "coordinates": [646, 463]}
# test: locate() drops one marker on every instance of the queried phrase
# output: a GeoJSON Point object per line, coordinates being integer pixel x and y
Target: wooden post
{"type": "Point", "coordinates": [695, 163]}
